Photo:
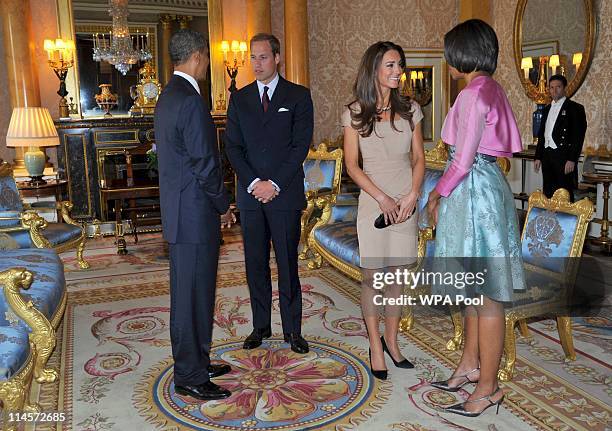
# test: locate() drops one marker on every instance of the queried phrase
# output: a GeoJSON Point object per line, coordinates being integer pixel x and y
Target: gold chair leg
{"type": "Point", "coordinates": [455, 343]}
{"type": "Point", "coordinates": [564, 326]}
{"type": "Point", "coordinates": [505, 374]}
{"type": "Point", "coordinates": [15, 398]}
{"type": "Point", "coordinates": [303, 255]}
{"type": "Point", "coordinates": [83, 264]}
{"type": "Point", "coordinates": [407, 321]}
{"type": "Point", "coordinates": [523, 328]}
{"type": "Point", "coordinates": [316, 261]}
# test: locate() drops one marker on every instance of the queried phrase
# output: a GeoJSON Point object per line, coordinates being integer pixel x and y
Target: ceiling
{"type": "Point", "coordinates": [136, 7]}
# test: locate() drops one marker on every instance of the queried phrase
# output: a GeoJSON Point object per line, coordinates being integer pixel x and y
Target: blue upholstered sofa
{"type": "Point", "coordinates": [334, 237]}
{"type": "Point", "coordinates": [28, 319]}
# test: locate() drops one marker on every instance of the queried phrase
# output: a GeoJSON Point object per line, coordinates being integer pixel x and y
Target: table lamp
{"type": "Point", "coordinates": [33, 128]}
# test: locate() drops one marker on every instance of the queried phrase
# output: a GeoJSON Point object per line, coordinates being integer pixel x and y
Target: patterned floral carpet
{"type": "Point", "coordinates": [115, 361]}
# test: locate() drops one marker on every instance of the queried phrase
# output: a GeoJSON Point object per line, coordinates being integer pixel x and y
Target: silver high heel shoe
{"type": "Point", "coordinates": [444, 383]}
{"type": "Point", "coordinates": [460, 408]}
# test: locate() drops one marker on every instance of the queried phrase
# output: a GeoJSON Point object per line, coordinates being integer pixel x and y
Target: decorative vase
{"type": "Point", "coordinates": [106, 100]}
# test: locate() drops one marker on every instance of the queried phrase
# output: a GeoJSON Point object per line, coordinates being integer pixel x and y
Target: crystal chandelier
{"type": "Point", "coordinates": [118, 49]}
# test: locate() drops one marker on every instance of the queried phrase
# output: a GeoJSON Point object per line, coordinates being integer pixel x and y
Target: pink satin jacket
{"type": "Point", "coordinates": [480, 121]}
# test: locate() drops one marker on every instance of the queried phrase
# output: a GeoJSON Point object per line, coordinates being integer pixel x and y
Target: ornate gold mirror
{"type": "Point", "coordinates": [553, 36]}
{"type": "Point", "coordinates": [82, 21]}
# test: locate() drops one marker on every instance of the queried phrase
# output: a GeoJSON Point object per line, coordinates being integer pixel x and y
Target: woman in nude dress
{"type": "Point", "coordinates": [385, 128]}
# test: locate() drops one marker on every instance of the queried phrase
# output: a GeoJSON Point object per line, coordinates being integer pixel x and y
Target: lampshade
{"type": "Point", "coordinates": [235, 47]}
{"type": "Point", "coordinates": [554, 61]}
{"type": "Point", "coordinates": [225, 46]}
{"type": "Point", "coordinates": [31, 127]}
{"type": "Point", "coordinates": [243, 47]}
{"type": "Point", "coordinates": [577, 58]}
{"type": "Point", "coordinates": [526, 63]}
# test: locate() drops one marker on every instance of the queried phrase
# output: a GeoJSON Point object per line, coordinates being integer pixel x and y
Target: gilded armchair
{"type": "Point", "coordinates": [552, 241]}
{"type": "Point", "coordinates": [22, 227]}
{"type": "Point", "coordinates": [322, 174]}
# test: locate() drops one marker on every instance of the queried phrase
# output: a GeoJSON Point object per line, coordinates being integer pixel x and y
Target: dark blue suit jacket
{"type": "Point", "coordinates": [271, 145]}
{"type": "Point", "coordinates": [192, 194]}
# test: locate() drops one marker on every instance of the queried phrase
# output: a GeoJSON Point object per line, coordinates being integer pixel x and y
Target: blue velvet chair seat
{"type": "Point", "coordinates": [340, 239]}
{"type": "Point", "coordinates": [55, 233]}
{"type": "Point", "coordinates": [14, 218]}
{"type": "Point", "coordinates": [14, 351]}
{"type": "Point", "coordinates": [48, 284]}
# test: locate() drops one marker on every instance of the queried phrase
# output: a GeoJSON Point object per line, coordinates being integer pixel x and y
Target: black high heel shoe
{"type": "Point", "coordinates": [401, 364]}
{"type": "Point", "coordinates": [444, 383]}
{"type": "Point", "coordinates": [379, 374]}
{"type": "Point", "coordinates": [460, 408]}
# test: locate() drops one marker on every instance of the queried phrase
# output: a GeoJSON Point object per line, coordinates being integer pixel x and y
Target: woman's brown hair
{"type": "Point", "coordinates": [366, 89]}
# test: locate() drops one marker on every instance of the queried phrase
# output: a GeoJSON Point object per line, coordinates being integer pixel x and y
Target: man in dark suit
{"type": "Point", "coordinates": [269, 130]}
{"type": "Point", "coordinates": [192, 199]}
{"type": "Point", "coordinates": [560, 140]}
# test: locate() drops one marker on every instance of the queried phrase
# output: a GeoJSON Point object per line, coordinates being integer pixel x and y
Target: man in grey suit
{"type": "Point", "coordinates": [192, 200]}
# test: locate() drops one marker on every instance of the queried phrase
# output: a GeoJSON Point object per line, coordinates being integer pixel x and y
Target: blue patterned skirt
{"type": "Point", "coordinates": [478, 232]}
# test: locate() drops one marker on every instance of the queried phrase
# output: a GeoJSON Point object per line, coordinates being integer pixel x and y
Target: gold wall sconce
{"type": "Point", "coordinates": [577, 60]}
{"type": "Point", "coordinates": [234, 47]}
{"type": "Point", "coordinates": [61, 58]}
{"type": "Point", "coordinates": [416, 83]}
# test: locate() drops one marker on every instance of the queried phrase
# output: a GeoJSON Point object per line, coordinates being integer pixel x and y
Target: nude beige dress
{"type": "Point", "coordinates": [386, 160]}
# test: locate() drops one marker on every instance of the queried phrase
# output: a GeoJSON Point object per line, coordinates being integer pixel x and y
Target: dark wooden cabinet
{"type": "Point", "coordinates": [90, 159]}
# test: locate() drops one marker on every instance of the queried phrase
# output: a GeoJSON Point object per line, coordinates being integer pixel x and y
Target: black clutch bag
{"type": "Point", "coordinates": [380, 223]}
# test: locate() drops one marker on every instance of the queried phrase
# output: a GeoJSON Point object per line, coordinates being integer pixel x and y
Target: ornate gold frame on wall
{"type": "Point", "coordinates": [440, 77]}
{"type": "Point", "coordinates": [66, 30]}
{"type": "Point", "coordinates": [530, 89]}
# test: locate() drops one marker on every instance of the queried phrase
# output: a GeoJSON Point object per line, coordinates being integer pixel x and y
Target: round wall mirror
{"type": "Point", "coordinates": [553, 37]}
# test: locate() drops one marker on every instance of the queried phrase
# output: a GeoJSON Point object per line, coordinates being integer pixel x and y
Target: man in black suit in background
{"type": "Point", "coordinates": [269, 130]}
{"type": "Point", "coordinates": [192, 199]}
{"type": "Point", "coordinates": [560, 140]}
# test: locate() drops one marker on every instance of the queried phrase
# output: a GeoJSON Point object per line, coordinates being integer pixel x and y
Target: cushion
{"type": "Point", "coordinates": [14, 215]}
{"type": "Point", "coordinates": [14, 351]}
{"type": "Point", "coordinates": [319, 175]}
{"type": "Point", "coordinates": [344, 211]}
{"type": "Point", "coordinates": [340, 239]}
{"type": "Point", "coordinates": [56, 234]}
{"type": "Point", "coordinates": [9, 195]}
{"type": "Point", "coordinates": [48, 285]}
{"type": "Point", "coordinates": [547, 238]}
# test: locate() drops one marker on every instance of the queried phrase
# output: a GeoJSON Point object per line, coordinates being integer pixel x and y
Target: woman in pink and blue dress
{"type": "Point", "coordinates": [474, 210]}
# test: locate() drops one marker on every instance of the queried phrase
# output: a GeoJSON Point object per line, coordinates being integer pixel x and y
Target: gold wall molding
{"type": "Point", "coordinates": [217, 69]}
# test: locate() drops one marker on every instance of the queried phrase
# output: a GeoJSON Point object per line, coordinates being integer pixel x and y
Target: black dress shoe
{"type": "Point", "coordinates": [379, 374]}
{"type": "Point", "coordinates": [298, 344]}
{"type": "Point", "coordinates": [205, 391]}
{"type": "Point", "coordinates": [217, 370]}
{"type": "Point", "coordinates": [254, 339]}
{"type": "Point", "coordinates": [405, 363]}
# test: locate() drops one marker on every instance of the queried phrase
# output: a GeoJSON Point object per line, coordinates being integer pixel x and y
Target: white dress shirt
{"type": "Point", "coordinates": [553, 114]}
{"type": "Point", "coordinates": [189, 78]}
{"type": "Point", "coordinates": [271, 87]}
